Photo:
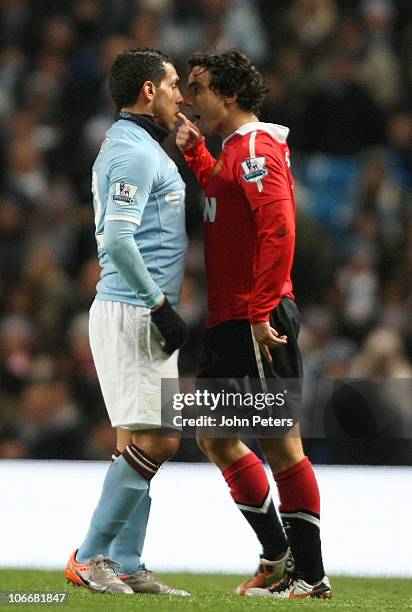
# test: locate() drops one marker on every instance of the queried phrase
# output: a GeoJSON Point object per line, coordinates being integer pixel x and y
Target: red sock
{"type": "Point", "coordinates": [300, 510]}
{"type": "Point", "coordinates": [298, 488]}
{"type": "Point", "coordinates": [247, 481]}
{"type": "Point", "coordinates": [250, 490]}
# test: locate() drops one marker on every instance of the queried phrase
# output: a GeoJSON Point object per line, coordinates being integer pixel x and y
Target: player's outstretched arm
{"type": "Point", "coordinates": [191, 142]}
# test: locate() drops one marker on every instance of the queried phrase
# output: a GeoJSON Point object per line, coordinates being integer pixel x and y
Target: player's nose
{"type": "Point", "coordinates": [179, 99]}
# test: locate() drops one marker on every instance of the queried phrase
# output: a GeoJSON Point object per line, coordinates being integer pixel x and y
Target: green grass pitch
{"type": "Point", "coordinates": [209, 593]}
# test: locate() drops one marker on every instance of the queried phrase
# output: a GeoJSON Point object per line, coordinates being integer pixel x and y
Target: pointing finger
{"type": "Point", "coordinates": [186, 122]}
{"type": "Point", "coordinates": [184, 119]}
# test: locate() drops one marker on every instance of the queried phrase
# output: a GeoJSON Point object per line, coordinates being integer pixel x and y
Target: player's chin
{"type": "Point", "coordinates": [171, 124]}
{"type": "Point", "coordinates": [208, 126]}
{"type": "Point", "coordinates": [167, 123]}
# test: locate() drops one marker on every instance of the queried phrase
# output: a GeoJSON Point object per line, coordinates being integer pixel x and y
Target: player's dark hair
{"type": "Point", "coordinates": [231, 72]}
{"type": "Point", "coordinates": [131, 69]}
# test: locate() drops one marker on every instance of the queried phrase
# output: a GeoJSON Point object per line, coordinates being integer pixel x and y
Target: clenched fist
{"type": "Point", "coordinates": [188, 134]}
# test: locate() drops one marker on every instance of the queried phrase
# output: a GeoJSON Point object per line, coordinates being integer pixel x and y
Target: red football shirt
{"type": "Point", "coordinates": [249, 222]}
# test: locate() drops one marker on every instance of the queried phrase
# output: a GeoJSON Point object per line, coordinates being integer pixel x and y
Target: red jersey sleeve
{"type": "Point", "coordinates": [264, 177]}
{"type": "Point", "coordinates": [201, 161]}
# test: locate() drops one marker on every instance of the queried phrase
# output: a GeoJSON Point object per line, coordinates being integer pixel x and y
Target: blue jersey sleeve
{"type": "Point", "coordinates": [121, 248]}
{"type": "Point", "coordinates": [132, 176]}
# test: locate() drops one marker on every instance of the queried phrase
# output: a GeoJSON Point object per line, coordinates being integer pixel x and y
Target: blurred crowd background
{"type": "Point", "coordinates": [340, 77]}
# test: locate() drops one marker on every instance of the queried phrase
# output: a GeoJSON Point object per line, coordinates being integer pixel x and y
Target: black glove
{"type": "Point", "coordinates": [171, 326]}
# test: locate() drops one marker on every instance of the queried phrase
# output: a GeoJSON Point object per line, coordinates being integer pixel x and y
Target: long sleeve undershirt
{"type": "Point", "coordinates": [121, 248]}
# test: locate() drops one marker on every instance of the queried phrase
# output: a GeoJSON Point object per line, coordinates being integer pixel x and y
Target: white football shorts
{"type": "Point", "coordinates": [130, 363]}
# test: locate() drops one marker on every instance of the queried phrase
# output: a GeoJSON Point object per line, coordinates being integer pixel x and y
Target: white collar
{"type": "Point", "coordinates": [278, 132]}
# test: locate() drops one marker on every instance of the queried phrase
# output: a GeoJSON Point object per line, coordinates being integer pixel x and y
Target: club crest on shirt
{"type": "Point", "coordinates": [254, 169]}
{"type": "Point", "coordinates": [124, 193]}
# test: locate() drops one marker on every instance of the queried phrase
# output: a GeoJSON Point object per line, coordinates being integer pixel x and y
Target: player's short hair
{"type": "Point", "coordinates": [232, 72]}
{"type": "Point", "coordinates": [131, 69]}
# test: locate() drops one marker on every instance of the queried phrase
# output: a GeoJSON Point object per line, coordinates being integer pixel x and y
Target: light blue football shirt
{"type": "Point", "coordinates": [134, 180]}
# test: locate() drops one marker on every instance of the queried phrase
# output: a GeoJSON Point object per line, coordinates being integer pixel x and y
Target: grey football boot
{"type": "Point", "coordinates": [98, 575]}
{"type": "Point", "coordinates": [143, 581]}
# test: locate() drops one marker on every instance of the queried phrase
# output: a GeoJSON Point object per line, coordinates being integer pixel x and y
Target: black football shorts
{"type": "Point", "coordinates": [230, 355]}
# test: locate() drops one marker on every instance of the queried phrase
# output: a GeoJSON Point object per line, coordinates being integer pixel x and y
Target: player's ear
{"type": "Point", "coordinates": [148, 90]}
{"type": "Point", "coordinates": [231, 99]}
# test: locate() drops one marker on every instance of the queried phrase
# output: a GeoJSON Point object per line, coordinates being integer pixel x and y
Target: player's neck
{"type": "Point", "coordinates": [139, 109]}
{"type": "Point", "coordinates": [235, 120]}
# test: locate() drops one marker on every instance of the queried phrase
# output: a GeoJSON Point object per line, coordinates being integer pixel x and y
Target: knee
{"type": "Point", "coordinates": [221, 451]}
{"type": "Point", "coordinates": [158, 448]}
{"type": "Point", "coordinates": [209, 446]}
{"type": "Point", "coordinates": [283, 453]}
{"type": "Point", "coordinates": [165, 449]}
